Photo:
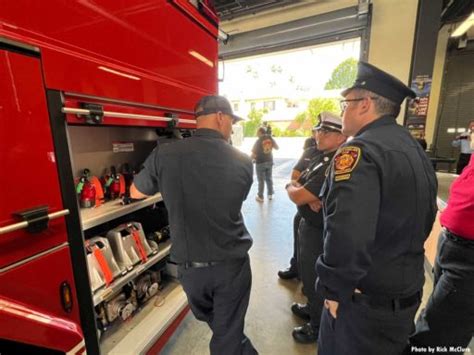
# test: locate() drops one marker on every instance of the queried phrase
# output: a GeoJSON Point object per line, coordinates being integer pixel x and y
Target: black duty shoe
{"type": "Point", "coordinates": [305, 334]}
{"type": "Point", "coordinates": [301, 310]}
{"type": "Point", "coordinates": [288, 274]}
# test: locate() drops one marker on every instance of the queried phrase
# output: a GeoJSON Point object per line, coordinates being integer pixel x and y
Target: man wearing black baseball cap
{"type": "Point", "coordinates": [204, 181]}
{"type": "Point", "coordinates": [379, 204]}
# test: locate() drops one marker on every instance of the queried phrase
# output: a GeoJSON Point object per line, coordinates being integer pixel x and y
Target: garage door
{"type": "Point", "coordinates": [333, 26]}
{"type": "Point", "coordinates": [457, 103]}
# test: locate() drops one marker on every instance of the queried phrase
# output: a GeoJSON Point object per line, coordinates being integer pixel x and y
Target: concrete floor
{"type": "Point", "coordinates": [269, 321]}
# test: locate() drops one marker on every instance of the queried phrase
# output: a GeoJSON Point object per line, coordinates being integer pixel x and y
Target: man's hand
{"type": "Point", "coordinates": [315, 206]}
{"type": "Point", "coordinates": [135, 193]}
{"type": "Point", "coordinates": [332, 306]}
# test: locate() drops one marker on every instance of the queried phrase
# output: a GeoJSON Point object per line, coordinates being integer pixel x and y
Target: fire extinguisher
{"type": "Point", "coordinates": [115, 183]}
{"type": "Point", "coordinates": [86, 190]}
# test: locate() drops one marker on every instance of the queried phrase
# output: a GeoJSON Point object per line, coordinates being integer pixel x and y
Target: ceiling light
{"type": "Point", "coordinates": [463, 27]}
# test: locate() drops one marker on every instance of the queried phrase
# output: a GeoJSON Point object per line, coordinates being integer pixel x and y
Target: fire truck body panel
{"type": "Point", "coordinates": [151, 58]}
{"type": "Point", "coordinates": [125, 50]}
{"type": "Point", "coordinates": [30, 172]}
{"type": "Point", "coordinates": [30, 303]}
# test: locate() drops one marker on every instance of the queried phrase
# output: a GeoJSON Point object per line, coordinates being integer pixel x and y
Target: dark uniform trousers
{"type": "Point", "coordinates": [219, 295]}
{"type": "Point", "coordinates": [448, 319]}
{"type": "Point", "coordinates": [294, 259]}
{"type": "Point", "coordinates": [361, 329]}
{"type": "Point", "coordinates": [310, 244]}
{"type": "Point", "coordinates": [462, 162]}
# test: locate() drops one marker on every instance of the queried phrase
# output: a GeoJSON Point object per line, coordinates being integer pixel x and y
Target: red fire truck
{"type": "Point", "coordinates": [87, 84]}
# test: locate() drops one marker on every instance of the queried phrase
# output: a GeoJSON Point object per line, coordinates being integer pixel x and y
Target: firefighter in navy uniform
{"type": "Point", "coordinates": [305, 194]}
{"type": "Point", "coordinates": [309, 153]}
{"type": "Point", "coordinates": [204, 181]}
{"type": "Point", "coordinates": [379, 204]}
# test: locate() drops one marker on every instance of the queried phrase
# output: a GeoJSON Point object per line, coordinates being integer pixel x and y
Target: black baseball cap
{"type": "Point", "coordinates": [371, 78]}
{"type": "Point", "coordinates": [213, 104]}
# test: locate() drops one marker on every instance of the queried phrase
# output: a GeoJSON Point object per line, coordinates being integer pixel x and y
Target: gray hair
{"type": "Point", "coordinates": [382, 105]}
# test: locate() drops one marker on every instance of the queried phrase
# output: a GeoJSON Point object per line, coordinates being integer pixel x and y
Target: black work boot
{"type": "Point", "coordinates": [305, 334]}
{"type": "Point", "coordinates": [288, 274]}
{"type": "Point", "coordinates": [300, 310]}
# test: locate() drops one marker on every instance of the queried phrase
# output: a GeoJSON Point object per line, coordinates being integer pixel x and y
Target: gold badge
{"type": "Point", "coordinates": [345, 162]}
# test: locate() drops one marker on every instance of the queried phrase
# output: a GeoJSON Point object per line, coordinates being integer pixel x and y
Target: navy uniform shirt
{"type": "Point", "coordinates": [309, 142]}
{"type": "Point", "coordinates": [305, 159]}
{"type": "Point", "coordinates": [312, 179]}
{"type": "Point", "coordinates": [203, 181]}
{"type": "Point", "coordinates": [379, 207]}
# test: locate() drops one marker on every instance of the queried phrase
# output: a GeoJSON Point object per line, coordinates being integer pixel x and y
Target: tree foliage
{"type": "Point", "coordinates": [309, 118]}
{"type": "Point", "coordinates": [318, 105]}
{"type": "Point", "coordinates": [255, 120]}
{"type": "Point", "coordinates": [301, 117]}
{"type": "Point", "coordinates": [343, 76]}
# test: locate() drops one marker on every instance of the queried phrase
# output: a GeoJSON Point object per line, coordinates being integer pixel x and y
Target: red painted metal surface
{"type": "Point", "coordinates": [158, 346]}
{"type": "Point", "coordinates": [30, 304]}
{"type": "Point", "coordinates": [29, 168]}
{"type": "Point", "coordinates": [190, 10]}
{"type": "Point", "coordinates": [140, 51]}
{"type": "Point", "coordinates": [150, 52]}
{"type": "Point", "coordinates": [74, 102]}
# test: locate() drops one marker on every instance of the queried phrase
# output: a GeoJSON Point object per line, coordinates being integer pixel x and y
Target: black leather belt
{"type": "Point", "coordinates": [199, 264]}
{"type": "Point", "coordinates": [458, 239]}
{"type": "Point", "coordinates": [387, 303]}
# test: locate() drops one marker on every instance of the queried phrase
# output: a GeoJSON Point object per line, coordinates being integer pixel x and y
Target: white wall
{"type": "Point", "coordinates": [438, 73]}
{"type": "Point", "coordinates": [391, 38]}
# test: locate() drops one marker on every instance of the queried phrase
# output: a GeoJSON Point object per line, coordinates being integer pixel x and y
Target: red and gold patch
{"type": "Point", "coordinates": [345, 162]}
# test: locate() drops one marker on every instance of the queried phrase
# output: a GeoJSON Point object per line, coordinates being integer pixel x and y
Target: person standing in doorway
{"type": "Point", "coordinates": [465, 144]}
{"type": "Point", "coordinates": [204, 181]}
{"type": "Point", "coordinates": [262, 154]}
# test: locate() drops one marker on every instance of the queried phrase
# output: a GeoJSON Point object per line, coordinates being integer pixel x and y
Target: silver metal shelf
{"type": "Point", "coordinates": [91, 217]}
{"type": "Point", "coordinates": [138, 334]}
{"type": "Point", "coordinates": [116, 286]}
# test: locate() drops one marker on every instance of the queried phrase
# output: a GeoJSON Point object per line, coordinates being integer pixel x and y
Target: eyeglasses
{"type": "Point", "coordinates": [324, 131]}
{"type": "Point", "coordinates": [345, 103]}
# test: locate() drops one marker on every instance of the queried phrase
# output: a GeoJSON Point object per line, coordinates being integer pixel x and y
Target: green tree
{"type": "Point", "coordinates": [309, 118]}
{"type": "Point", "coordinates": [318, 105]}
{"type": "Point", "coordinates": [277, 132]}
{"type": "Point", "coordinates": [300, 117]}
{"type": "Point", "coordinates": [255, 120]}
{"type": "Point", "coordinates": [343, 76]}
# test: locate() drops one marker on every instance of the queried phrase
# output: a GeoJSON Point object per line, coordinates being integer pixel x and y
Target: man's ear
{"type": "Point", "coordinates": [220, 119]}
{"type": "Point", "coordinates": [364, 105]}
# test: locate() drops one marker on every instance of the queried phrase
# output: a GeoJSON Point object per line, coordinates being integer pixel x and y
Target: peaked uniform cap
{"type": "Point", "coordinates": [329, 121]}
{"type": "Point", "coordinates": [373, 79]}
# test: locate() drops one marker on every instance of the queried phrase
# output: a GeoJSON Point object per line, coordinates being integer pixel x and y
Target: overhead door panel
{"type": "Point", "coordinates": [328, 27]}
{"type": "Point", "coordinates": [457, 103]}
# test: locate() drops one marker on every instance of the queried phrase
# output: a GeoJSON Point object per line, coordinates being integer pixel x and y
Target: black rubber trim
{"type": "Point", "coordinates": [74, 231]}
{"type": "Point", "coordinates": [20, 50]}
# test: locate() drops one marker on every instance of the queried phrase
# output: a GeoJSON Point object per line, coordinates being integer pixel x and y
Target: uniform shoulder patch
{"type": "Point", "coordinates": [346, 160]}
